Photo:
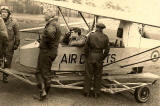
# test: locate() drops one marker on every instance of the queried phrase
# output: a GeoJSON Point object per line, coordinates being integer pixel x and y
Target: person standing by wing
{"type": "Point", "coordinates": [13, 37]}
{"type": "Point", "coordinates": [97, 42]}
{"type": "Point", "coordinates": [48, 53]}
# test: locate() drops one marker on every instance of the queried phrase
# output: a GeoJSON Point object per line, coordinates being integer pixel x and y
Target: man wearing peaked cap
{"type": "Point", "coordinates": [49, 14]}
{"type": "Point", "coordinates": [100, 25]}
{"type": "Point", "coordinates": [47, 54]}
{"type": "Point", "coordinates": [13, 37]}
{"type": "Point", "coordinates": [97, 42]}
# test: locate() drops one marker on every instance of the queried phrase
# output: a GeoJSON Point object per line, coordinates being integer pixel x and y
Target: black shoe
{"type": "Point", "coordinates": [96, 95]}
{"type": "Point", "coordinates": [86, 94]}
{"type": "Point", "coordinates": [40, 98]}
{"type": "Point", "coordinates": [42, 95]}
{"type": "Point", "coordinates": [5, 80]}
{"type": "Point", "coordinates": [47, 90]}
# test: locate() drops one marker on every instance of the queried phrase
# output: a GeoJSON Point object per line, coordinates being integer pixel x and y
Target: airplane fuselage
{"type": "Point", "coordinates": [131, 50]}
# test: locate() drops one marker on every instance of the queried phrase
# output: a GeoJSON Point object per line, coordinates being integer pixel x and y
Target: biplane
{"type": "Point", "coordinates": [129, 49]}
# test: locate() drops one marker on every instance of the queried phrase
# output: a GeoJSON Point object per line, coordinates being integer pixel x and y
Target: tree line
{"type": "Point", "coordinates": [31, 7]}
{"type": "Point", "coordinates": [23, 6]}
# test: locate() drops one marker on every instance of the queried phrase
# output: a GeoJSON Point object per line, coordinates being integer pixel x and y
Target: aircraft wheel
{"type": "Point", "coordinates": [142, 94]}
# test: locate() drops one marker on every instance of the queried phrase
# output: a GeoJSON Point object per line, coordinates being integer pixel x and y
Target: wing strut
{"type": "Point", "coordinates": [94, 22]}
{"type": "Point", "coordinates": [63, 18]}
{"type": "Point", "coordinates": [96, 17]}
{"type": "Point", "coordinates": [134, 56]}
{"type": "Point", "coordinates": [84, 20]}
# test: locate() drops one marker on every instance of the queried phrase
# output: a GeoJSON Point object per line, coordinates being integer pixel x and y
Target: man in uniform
{"type": "Point", "coordinates": [96, 50]}
{"type": "Point", "coordinates": [74, 38]}
{"type": "Point", "coordinates": [48, 52]}
{"type": "Point", "coordinates": [13, 37]}
{"type": "Point", "coordinates": [3, 39]}
{"type": "Point", "coordinates": [77, 39]}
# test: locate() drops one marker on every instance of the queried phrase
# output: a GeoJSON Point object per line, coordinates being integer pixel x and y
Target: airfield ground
{"type": "Point", "coordinates": [18, 93]}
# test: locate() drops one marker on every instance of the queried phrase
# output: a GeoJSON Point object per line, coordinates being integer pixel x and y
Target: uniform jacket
{"type": "Point", "coordinates": [3, 30]}
{"type": "Point", "coordinates": [97, 47]}
{"type": "Point", "coordinates": [3, 38]}
{"type": "Point", "coordinates": [13, 33]}
{"type": "Point", "coordinates": [51, 36]}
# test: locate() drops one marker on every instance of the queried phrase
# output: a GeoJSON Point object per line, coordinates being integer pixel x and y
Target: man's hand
{"type": "Point", "coordinates": [17, 43]}
{"type": "Point", "coordinates": [68, 34]}
{"type": "Point", "coordinates": [15, 47]}
{"type": "Point", "coordinates": [38, 40]}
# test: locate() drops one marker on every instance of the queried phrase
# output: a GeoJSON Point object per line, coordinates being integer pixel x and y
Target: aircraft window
{"type": "Point", "coordinates": [120, 32]}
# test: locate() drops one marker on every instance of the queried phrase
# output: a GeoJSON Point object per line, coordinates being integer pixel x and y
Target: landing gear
{"type": "Point", "coordinates": [142, 94]}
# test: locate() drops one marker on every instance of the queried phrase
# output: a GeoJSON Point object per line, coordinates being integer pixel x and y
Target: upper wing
{"type": "Point", "coordinates": [32, 30]}
{"type": "Point", "coordinates": [38, 29]}
{"type": "Point", "coordinates": [138, 11]}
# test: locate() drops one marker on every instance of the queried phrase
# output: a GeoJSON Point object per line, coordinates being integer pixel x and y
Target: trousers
{"type": "Point", "coordinates": [43, 74]}
{"type": "Point", "coordinates": [9, 56]}
{"type": "Point", "coordinates": [93, 77]}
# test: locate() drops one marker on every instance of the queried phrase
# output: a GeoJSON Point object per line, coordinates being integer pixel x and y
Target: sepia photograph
{"type": "Point", "coordinates": [79, 53]}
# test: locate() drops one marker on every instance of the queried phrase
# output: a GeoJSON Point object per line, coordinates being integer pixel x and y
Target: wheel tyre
{"type": "Point", "coordinates": [142, 94]}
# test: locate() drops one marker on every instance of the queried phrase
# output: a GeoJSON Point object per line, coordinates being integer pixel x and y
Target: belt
{"type": "Point", "coordinates": [10, 39]}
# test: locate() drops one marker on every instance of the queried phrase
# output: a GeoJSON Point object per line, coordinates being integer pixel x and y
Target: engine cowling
{"type": "Point", "coordinates": [152, 32]}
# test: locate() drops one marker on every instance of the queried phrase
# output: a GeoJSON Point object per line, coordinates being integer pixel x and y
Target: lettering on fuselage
{"type": "Point", "coordinates": [73, 59]}
{"type": "Point", "coordinates": [117, 44]}
{"type": "Point", "coordinates": [80, 59]}
{"type": "Point", "coordinates": [110, 58]}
